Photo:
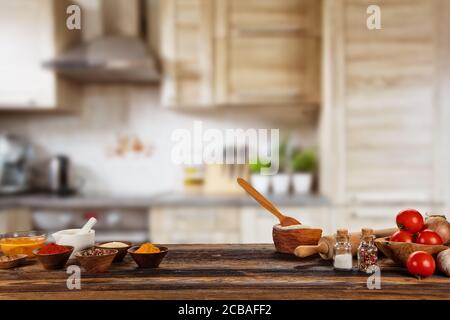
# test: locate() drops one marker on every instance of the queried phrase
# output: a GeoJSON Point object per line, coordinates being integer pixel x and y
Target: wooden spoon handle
{"type": "Point", "coordinates": [306, 251]}
{"type": "Point", "coordinates": [260, 198]}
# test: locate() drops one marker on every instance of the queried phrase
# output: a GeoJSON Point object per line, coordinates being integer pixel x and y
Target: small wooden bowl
{"type": "Point", "coordinates": [148, 260]}
{"type": "Point", "coordinates": [121, 251]}
{"type": "Point", "coordinates": [287, 240]}
{"type": "Point", "coordinates": [17, 262]}
{"type": "Point", "coordinates": [96, 264]}
{"type": "Point", "coordinates": [53, 261]}
{"type": "Point", "coordinates": [399, 251]}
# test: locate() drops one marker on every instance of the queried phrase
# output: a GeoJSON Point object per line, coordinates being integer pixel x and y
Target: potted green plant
{"type": "Point", "coordinates": [304, 165]}
{"type": "Point", "coordinates": [281, 181]}
{"type": "Point", "coordinates": [259, 182]}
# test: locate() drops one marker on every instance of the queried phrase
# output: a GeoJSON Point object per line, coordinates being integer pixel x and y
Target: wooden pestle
{"type": "Point", "coordinates": [325, 247]}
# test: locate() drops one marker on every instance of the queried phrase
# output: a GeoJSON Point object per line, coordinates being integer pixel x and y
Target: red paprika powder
{"type": "Point", "coordinates": [53, 248]}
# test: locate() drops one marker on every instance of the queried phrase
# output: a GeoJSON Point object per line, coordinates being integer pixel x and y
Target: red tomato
{"type": "Point", "coordinates": [410, 220]}
{"type": "Point", "coordinates": [421, 263]}
{"type": "Point", "coordinates": [429, 237]}
{"type": "Point", "coordinates": [402, 236]}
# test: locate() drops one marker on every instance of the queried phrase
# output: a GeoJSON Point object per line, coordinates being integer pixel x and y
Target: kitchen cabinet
{"type": "Point", "coordinates": [32, 32]}
{"type": "Point", "coordinates": [186, 52]}
{"type": "Point", "coordinates": [267, 51]}
{"type": "Point", "coordinates": [15, 219]}
{"type": "Point", "coordinates": [226, 224]}
{"type": "Point", "coordinates": [378, 216]}
{"type": "Point", "coordinates": [229, 52]}
{"type": "Point", "coordinates": [194, 225]}
{"type": "Point", "coordinates": [382, 124]}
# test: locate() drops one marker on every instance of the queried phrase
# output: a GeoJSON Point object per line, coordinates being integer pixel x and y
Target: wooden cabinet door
{"type": "Point", "coordinates": [25, 34]}
{"type": "Point", "coordinates": [187, 52]}
{"type": "Point", "coordinates": [222, 52]}
{"type": "Point", "coordinates": [267, 51]}
{"type": "Point", "coordinates": [32, 32]}
{"type": "Point", "coordinates": [382, 108]}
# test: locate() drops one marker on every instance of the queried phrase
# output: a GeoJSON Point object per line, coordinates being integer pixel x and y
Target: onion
{"type": "Point", "coordinates": [443, 262]}
{"type": "Point", "coordinates": [440, 225]}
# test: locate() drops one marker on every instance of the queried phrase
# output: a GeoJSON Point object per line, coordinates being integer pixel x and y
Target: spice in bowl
{"type": "Point", "coordinates": [114, 245]}
{"type": "Point", "coordinates": [12, 261]}
{"type": "Point", "coordinates": [148, 255]}
{"type": "Point", "coordinates": [121, 247]}
{"type": "Point", "coordinates": [53, 248]}
{"type": "Point", "coordinates": [148, 248]}
{"type": "Point", "coordinates": [96, 252]}
{"type": "Point", "coordinates": [22, 242]}
{"type": "Point", "coordinates": [53, 256]}
{"type": "Point", "coordinates": [96, 259]}
{"type": "Point", "coordinates": [9, 258]}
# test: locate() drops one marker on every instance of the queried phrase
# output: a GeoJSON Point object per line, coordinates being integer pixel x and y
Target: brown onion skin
{"type": "Point", "coordinates": [440, 225]}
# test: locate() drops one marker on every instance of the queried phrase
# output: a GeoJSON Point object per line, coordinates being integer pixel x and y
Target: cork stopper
{"type": "Point", "coordinates": [367, 234]}
{"type": "Point", "coordinates": [342, 235]}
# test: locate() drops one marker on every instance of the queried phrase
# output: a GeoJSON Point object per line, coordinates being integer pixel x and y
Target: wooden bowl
{"type": "Point", "coordinates": [17, 262]}
{"type": "Point", "coordinates": [399, 251]}
{"type": "Point", "coordinates": [148, 260]}
{"type": "Point", "coordinates": [121, 251]}
{"type": "Point", "coordinates": [286, 240]}
{"type": "Point", "coordinates": [96, 264]}
{"type": "Point", "coordinates": [53, 261]}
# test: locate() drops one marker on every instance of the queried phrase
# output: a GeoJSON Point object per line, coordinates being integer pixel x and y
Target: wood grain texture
{"type": "Point", "coordinates": [226, 52]}
{"type": "Point", "coordinates": [222, 272]}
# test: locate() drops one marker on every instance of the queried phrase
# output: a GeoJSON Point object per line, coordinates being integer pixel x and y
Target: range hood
{"type": "Point", "coordinates": [119, 55]}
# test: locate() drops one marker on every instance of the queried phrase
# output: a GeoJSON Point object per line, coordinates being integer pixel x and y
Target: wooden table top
{"type": "Point", "coordinates": [222, 272]}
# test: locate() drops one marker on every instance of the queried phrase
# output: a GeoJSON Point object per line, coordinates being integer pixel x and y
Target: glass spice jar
{"type": "Point", "coordinates": [367, 251]}
{"type": "Point", "coordinates": [343, 259]}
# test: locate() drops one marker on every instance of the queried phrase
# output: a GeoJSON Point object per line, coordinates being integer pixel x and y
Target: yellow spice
{"type": "Point", "coordinates": [147, 248]}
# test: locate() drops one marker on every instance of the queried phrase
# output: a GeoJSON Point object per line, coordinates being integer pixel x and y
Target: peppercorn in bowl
{"type": "Point", "coordinates": [148, 255]}
{"type": "Point", "coordinates": [95, 260]}
{"type": "Point", "coordinates": [53, 256]}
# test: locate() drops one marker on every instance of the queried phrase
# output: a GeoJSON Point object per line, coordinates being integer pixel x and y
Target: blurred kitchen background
{"type": "Point", "coordinates": [86, 116]}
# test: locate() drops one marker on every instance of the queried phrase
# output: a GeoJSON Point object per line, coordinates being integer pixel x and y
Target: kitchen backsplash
{"type": "Point", "coordinates": [120, 139]}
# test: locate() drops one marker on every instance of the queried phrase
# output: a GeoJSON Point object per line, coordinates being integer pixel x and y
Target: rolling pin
{"type": "Point", "coordinates": [325, 247]}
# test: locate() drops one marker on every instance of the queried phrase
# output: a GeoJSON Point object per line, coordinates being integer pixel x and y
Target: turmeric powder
{"type": "Point", "coordinates": [147, 248]}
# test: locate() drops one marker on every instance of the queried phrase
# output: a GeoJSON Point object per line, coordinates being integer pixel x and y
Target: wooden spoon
{"type": "Point", "coordinates": [284, 220]}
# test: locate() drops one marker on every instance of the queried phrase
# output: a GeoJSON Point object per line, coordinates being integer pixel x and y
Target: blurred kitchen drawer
{"type": "Point", "coordinates": [52, 220]}
{"type": "Point", "coordinates": [194, 225]}
{"type": "Point", "coordinates": [122, 219]}
{"type": "Point", "coordinates": [15, 220]}
{"type": "Point", "coordinates": [127, 219]}
{"type": "Point", "coordinates": [377, 216]}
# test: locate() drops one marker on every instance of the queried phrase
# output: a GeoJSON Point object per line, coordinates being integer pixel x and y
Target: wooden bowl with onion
{"type": "Point", "coordinates": [286, 239]}
{"type": "Point", "coordinates": [400, 251]}
{"type": "Point", "coordinates": [53, 261]}
{"type": "Point", "coordinates": [121, 251]}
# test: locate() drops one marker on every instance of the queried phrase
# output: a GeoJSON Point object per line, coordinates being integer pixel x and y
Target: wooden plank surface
{"type": "Point", "coordinates": [222, 272]}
